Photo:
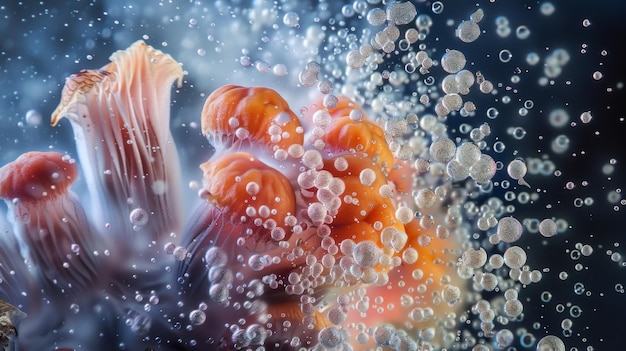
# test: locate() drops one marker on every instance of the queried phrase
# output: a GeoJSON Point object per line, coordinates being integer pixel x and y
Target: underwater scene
{"type": "Point", "coordinates": [312, 175]}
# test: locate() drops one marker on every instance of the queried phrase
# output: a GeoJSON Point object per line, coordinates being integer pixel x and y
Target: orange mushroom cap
{"type": "Point", "coordinates": [232, 114]}
{"type": "Point", "coordinates": [365, 195]}
{"type": "Point", "coordinates": [243, 186]}
{"type": "Point", "coordinates": [344, 107]}
{"type": "Point", "coordinates": [345, 134]}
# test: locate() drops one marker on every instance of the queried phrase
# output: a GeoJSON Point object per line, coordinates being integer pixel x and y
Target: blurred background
{"type": "Point", "coordinates": [42, 42]}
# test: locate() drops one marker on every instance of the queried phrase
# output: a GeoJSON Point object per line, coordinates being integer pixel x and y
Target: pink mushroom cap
{"type": "Point", "coordinates": [35, 175]}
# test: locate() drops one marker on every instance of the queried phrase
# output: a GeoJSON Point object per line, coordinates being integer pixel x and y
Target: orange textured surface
{"type": "Point", "coordinates": [235, 114]}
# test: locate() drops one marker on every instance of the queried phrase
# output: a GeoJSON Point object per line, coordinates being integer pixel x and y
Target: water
{"type": "Point", "coordinates": [565, 63]}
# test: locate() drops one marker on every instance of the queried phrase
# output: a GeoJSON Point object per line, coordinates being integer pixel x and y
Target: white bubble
{"type": "Point", "coordinates": [502, 21]}
{"type": "Point", "coordinates": [280, 70]}
{"type": "Point", "coordinates": [197, 317]}
{"type": "Point", "coordinates": [437, 7]}
{"type": "Point", "coordinates": [291, 19]}
{"type": "Point", "coordinates": [547, 8]}
{"type": "Point", "coordinates": [75, 308]}
{"type": "Point", "coordinates": [442, 150]}
{"type": "Point", "coordinates": [477, 16]}
{"type": "Point", "coordinates": [215, 257]}
{"type": "Point", "coordinates": [425, 198]}
{"type": "Point", "coordinates": [548, 227]}
{"type": "Point", "coordinates": [457, 170]}
{"type": "Point", "coordinates": [503, 31]}
{"type": "Point", "coordinates": [138, 217]}
{"type": "Point", "coordinates": [504, 338]}
{"type": "Point", "coordinates": [355, 59]}
{"type": "Point", "coordinates": [486, 87]}
{"type": "Point", "coordinates": [262, 66]}
{"type": "Point", "coordinates": [308, 77]}
{"type": "Point", "coordinates": [33, 118]}
{"type": "Point", "coordinates": [367, 176]}
{"type": "Point", "coordinates": [474, 258]}
{"type": "Point", "coordinates": [509, 229]}
{"type": "Point", "coordinates": [484, 169]}
{"type": "Point", "coordinates": [410, 255]}
{"type": "Point", "coordinates": [517, 170]}
{"type": "Point", "coordinates": [522, 32]}
{"type": "Point", "coordinates": [312, 159]}
{"type": "Point", "coordinates": [336, 316]}
{"type": "Point", "coordinates": [468, 31]}
{"type": "Point", "coordinates": [515, 257]}
{"type": "Point", "coordinates": [219, 293]}
{"type": "Point", "coordinates": [468, 154]}
{"type": "Point", "coordinates": [376, 16]}
{"type": "Point", "coordinates": [559, 118]}
{"type": "Point", "coordinates": [505, 55]}
{"type": "Point", "coordinates": [464, 79]}
{"type": "Point", "coordinates": [400, 13]}
{"type": "Point", "coordinates": [453, 61]}
{"type": "Point", "coordinates": [451, 294]}
{"type": "Point", "coordinates": [532, 58]}
{"type": "Point", "coordinates": [550, 343]}
{"type": "Point", "coordinates": [597, 75]}
{"type": "Point", "coordinates": [366, 254]}
{"type": "Point", "coordinates": [392, 238]}
{"type": "Point", "coordinates": [404, 214]}
{"type": "Point", "coordinates": [180, 253]}
{"type": "Point", "coordinates": [586, 117]}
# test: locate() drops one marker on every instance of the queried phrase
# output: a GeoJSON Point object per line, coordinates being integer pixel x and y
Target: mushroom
{"type": "Point", "coordinates": [49, 219]}
{"type": "Point", "coordinates": [120, 117]}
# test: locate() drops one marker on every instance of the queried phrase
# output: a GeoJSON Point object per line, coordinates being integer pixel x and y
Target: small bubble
{"type": "Point", "coordinates": [138, 217]}
{"type": "Point", "coordinates": [467, 31]}
{"type": "Point", "coordinates": [33, 118]}
{"type": "Point", "coordinates": [579, 288]}
{"type": "Point", "coordinates": [437, 7]}
{"type": "Point", "coordinates": [401, 13]}
{"type": "Point", "coordinates": [291, 19]}
{"type": "Point", "coordinates": [586, 117]}
{"type": "Point", "coordinates": [597, 75]}
{"type": "Point", "coordinates": [197, 317]}
{"type": "Point", "coordinates": [559, 118]}
{"type": "Point", "coordinates": [376, 17]}
{"type": "Point", "coordinates": [280, 70]}
{"type": "Point", "coordinates": [505, 55]}
{"type": "Point", "coordinates": [551, 342]}
{"type": "Point", "coordinates": [547, 8]}
{"type": "Point", "coordinates": [522, 32]}
{"type": "Point", "coordinates": [262, 67]}
{"type": "Point", "coordinates": [518, 133]}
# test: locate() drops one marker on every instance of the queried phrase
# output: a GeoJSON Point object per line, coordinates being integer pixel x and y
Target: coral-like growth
{"type": "Point", "coordinates": [306, 235]}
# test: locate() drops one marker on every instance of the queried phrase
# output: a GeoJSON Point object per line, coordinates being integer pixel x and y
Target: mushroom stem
{"type": "Point", "coordinates": [120, 117]}
{"type": "Point", "coordinates": [16, 284]}
{"type": "Point", "coordinates": [50, 223]}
